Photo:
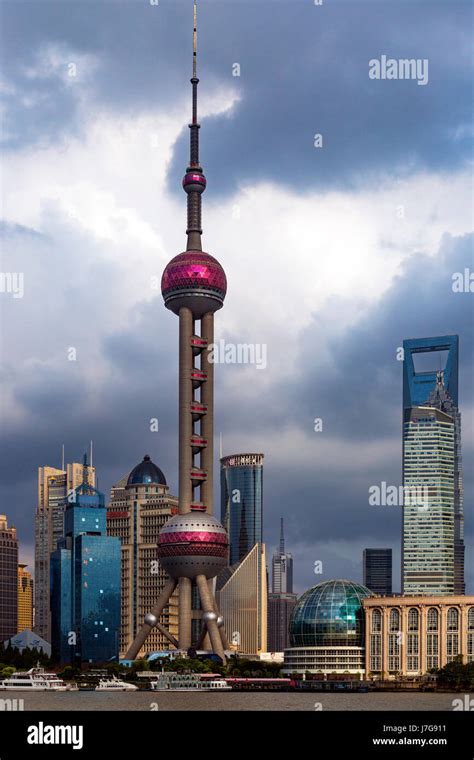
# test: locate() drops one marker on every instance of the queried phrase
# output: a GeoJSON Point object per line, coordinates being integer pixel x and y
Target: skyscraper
{"type": "Point", "coordinates": [280, 610]}
{"type": "Point", "coordinates": [282, 568]}
{"type": "Point", "coordinates": [139, 507]}
{"type": "Point", "coordinates": [54, 487]}
{"type": "Point", "coordinates": [193, 545]}
{"type": "Point", "coordinates": [433, 540]}
{"type": "Point", "coordinates": [378, 570]}
{"type": "Point", "coordinates": [242, 502]}
{"type": "Point", "coordinates": [281, 600]}
{"type": "Point", "coordinates": [8, 580]}
{"type": "Point", "coordinates": [25, 599]}
{"type": "Point", "coordinates": [85, 582]}
{"type": "Point", "coordinates": [241, 592]}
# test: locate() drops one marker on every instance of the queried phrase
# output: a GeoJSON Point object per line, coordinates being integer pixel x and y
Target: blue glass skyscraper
{"type": "Point", "coordinates": [85, 583]}
{"type": "Point", "coordinates": [242, 502]}
{"type": "Point", "coordinates": [433, 542]}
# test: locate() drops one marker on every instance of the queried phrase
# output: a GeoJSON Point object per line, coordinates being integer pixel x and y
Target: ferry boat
{"type": "Point", "coordinates": [35, 679]}
{"type": "Point", "coordinates": [189, 682]}
{"type": "Point", "coordinates": [114, 684]}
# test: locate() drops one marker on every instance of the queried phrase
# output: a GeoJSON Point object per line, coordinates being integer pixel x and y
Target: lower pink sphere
{"type": "Point", "coordinates": [193, 544]}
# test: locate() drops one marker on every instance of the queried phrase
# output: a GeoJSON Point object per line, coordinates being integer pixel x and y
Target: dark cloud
{"type": "Point", "coordinates": [304, 70]}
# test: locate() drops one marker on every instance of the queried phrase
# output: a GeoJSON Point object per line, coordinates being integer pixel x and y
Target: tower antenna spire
{"type": "Point", "coordinates": [194, 182]}
{"type": "Point", "coordinates": [195, 42]}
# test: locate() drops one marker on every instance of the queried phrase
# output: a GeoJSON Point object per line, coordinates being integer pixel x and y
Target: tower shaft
{"type": "Point", "coordinates": [186, 329]}
{"type": "Point", "coordinates": [207, 425]}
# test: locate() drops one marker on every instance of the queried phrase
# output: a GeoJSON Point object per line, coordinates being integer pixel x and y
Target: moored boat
{"type": "Point", "coordinates": [35, 679]}
{"type": "Point", "coordinates": [189, 682]}
{"type": "Point", "coordinates": [114, 684]}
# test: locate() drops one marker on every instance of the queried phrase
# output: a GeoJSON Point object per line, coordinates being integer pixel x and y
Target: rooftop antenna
{"type": "Point", "coordinates": [91, 455]}
{"type": "Point", "coordinates": [282, 537]}
{"type": "Point", "coordinates": [220, 445]}
{"type": "Point", "coordinates": [62, 458]}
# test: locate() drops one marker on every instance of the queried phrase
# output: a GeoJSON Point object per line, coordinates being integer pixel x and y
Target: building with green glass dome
{"type": "Point", "coordinates": [327, 631]}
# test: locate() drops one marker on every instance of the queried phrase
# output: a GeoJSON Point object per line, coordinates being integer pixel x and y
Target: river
{"type": "Point", "coordinates": [148, 700]}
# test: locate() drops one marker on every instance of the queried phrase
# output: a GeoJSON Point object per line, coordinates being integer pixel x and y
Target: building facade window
{"type": "Point", "coordinates": [376, 642]}
{"type": "Point", "coordinates": [376, 621]}
{"type": "Point", "coordinates": [432, 639]}
{"type": "Point", "coordinates": [394, 637]}
{"type": "Point", "coordinates": [452, 634]}
{"type": "Point", "coordinates": [413, 640]}
{"type": "Point", "coordinates": [470, 635]}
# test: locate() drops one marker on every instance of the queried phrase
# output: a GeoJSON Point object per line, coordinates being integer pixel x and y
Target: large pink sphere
{"type": "Point", "coordinates": [196, 280]}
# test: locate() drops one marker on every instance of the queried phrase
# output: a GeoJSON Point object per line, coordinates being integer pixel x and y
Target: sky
{"type": "Point", "coordinates": [338, 204]}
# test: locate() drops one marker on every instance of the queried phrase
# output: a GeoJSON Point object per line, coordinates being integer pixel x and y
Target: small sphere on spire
{"type": "Point", "coordinates": [193, 182]}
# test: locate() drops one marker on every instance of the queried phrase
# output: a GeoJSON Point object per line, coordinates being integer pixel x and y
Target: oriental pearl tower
{"type": "Point", "coordinates": [193, 545]}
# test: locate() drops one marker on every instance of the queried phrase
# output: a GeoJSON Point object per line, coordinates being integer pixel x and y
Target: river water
{"type": "Point", "coordinates": [149, 700]}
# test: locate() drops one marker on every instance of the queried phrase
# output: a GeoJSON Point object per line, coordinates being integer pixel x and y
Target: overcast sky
{"type": "Point", "coordinates": [333, 254]}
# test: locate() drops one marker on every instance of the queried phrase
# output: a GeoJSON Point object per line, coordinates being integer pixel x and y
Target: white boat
{"type": "Point", "coordinates": [114, 684]}
{"type": "Point", "coordinates": [188, 682]}
{"type": "Point", "coordinates": [35, 679]}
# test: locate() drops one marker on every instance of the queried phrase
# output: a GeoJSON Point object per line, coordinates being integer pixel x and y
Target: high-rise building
{"type": "Point", "coordinates": [8, 580]}
{"type": "Point", "coordinates": [139, 507]}
{"type": "Point", "coordinates": [242, 502]}
{"type": "Point", "coordinates": [282, 568]}
{"type": "Point", "coordinates": [428, 520]}
{"type": "Point", "coordinates": [193, 545]}
{"type": "Point", "coordinates": [55, 486]}
{"type": "Point", "coordinates": [281, 600]}
{"type": "Point", "coordinates": [433, 530]}
{"type": "Point", "coordinates": [241, 592]}
{"type": "Point", "coordinates": [25, 599]}
{"type": "Point", "coordinates": [280, 609]}
{"type": "Point", "coordinates": [85, 582]}
{"type": "Point", "coordinates": [378, 570]}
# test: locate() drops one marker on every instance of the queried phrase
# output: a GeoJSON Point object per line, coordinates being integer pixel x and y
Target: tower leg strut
{"type": "Point", "coordinates": [207, 602]}
{"type": "Point", "coordinates": [146, 628]}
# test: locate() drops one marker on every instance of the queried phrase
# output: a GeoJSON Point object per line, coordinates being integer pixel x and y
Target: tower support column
{"type": "Point", "coordinates": [184, 613]}
{"type": "Point", "coordinates": [208, 606]}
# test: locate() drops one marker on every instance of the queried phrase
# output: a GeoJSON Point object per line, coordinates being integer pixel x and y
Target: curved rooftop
{"type": "Point", "coordinates": [146, 473]}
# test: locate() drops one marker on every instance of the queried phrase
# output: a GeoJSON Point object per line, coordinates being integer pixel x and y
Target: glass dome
{"type": "Point", "coordinates": [329, 615]}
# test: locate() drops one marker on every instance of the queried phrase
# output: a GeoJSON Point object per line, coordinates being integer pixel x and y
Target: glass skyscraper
{"type": "Point", "coordinates": [378, 570]}
{"type": "Point", "coordinates": [54, 489]}
{"type": "Point", "coordinates": [242, 502]}
{"type": "Point", "coordinates": [8, 580]}
{"type": "Point", "coordinates": [85, 583]}
{"type": "Point", "coordinates": [433, 541]}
